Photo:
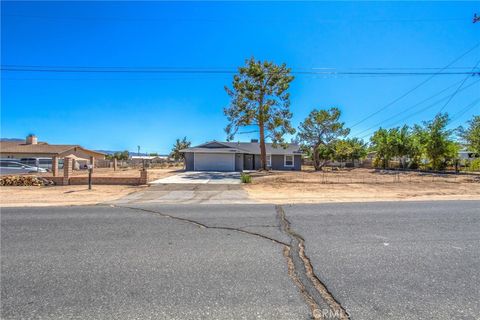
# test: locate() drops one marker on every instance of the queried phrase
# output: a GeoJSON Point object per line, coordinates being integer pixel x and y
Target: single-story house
{"type": "Point", "coordinates": [32, 148]}
{"type": "Point", "coordinates": [149, 158]}
{"type": "Point", "coordinates": [239, 156]}
{"type": "Point", "coordinates": [465, 154]}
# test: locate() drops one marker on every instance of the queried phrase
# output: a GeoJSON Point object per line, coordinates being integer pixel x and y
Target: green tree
{"type": "Point", "coordinates": [259, 97]}
{"type": "Point", "coordinates": [319, 131]}
{"type": "Point", "coordinates": [349, 149]}
{"type": "Point", "coordinates": [179, 145]}
{"type": "Point", "coordinates": [400, 142]}
{"type": "Point", "coordinates": [405, 146]}
{"type": "Point", "coordinates": [384, 144]}
{"type": "Point", "coordinates": [358, 149]}
{"type": "Point", "coordinates": [322, 153]}
{"type": "Point", "coordinates": [471, 135]}
{"type": "Point", "coordinates": [124, 155]}
{"type": "Point", "coordinates": [413, 150]}
{"type": "Point", "coordinates": [451, 155]}
{"type": "Point", "coordinates": [435, 140]}
{"type": "Point", "coordinates": [342, 150]}
{"type": "Point", "coordinates": [153, 154]}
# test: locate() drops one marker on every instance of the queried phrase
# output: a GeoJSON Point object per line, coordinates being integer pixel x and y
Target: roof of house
{"type": "Point", "coordinates": [148, 157]}
{"type": "Point", "coordinates": [243, 147]}
{"type": "Point", "coordinates": [40, 147]}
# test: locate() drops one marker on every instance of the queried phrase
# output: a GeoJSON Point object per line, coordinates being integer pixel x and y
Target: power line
{"type": "Point", "coordinates": [230, 68]}
{"type": "Point", "coordinates": [425, 108]}
{"type": "Point", "coordinates": [414, 88]}
{"type": "Point", "coordinates": [411, 107]}
{"type": "Point", "coordinates": [434, 104]}
{"type": "Point", "coordinates": [459, 114]}
{"type": "Point", "coordinates": [216, 19]}
{"type": "Point", "coordinates": [56, 69]}
{"type": "Point", "coordinates": [456, 91]}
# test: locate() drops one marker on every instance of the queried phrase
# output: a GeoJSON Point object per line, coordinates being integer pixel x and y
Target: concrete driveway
{"type": "Point", "coordinates": [192, 187]}
{"type": "Point", "coordinates": [201, 177]}
{"type": "Point", "coordinates": [188, 193]}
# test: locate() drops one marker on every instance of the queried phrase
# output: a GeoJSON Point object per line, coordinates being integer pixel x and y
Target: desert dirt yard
{"type": "Point", "coordinates": [77, 194]}
{"type": "Point", "coordinates": [62, 195]}
{"type": "Point", "coordinates": [154, 174]}
{"type": "Point", "coordinates": [279, 187]}
{"type": "Point", "coordinates": [360, 185]}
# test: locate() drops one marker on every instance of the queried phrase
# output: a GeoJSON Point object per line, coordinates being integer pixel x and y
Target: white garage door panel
{"type": "Point", "coordinates": [214, 162]}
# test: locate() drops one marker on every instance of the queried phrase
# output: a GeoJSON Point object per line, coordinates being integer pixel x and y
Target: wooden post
{"type": "Point", "coordinates": [114, 164]}
{"type": "Point", "coordinates": [92, 163]}
{"type": "Point", "coordinates": [90, 177]}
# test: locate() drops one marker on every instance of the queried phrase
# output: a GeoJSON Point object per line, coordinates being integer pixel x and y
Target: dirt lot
{"type": "Point", "coordinates": [275, 187]}
{"type": "Point", "coordinates": [61, 195]}
{"type": "Point", "coordinates": [76, 195]}
{"type": "Point", "coordinates": [154, 174]}
{"type": "Point", "coordinates": [360, 185]}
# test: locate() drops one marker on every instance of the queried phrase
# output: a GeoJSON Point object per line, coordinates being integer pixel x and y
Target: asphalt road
{"type": "Point", "coordinates": [115, 263]}
{"type": "Point", "coordinates": [392, 260]}
{"type": "Point", "coordinates": [378, 260]}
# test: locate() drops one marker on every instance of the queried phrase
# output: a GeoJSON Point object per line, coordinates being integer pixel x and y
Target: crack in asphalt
{"type": "Point", "coordinates": [321, 302]}
{"type": "Point", "coordinates": [312, 288]}
{"type": "Point", "coordinates": [202, 225]}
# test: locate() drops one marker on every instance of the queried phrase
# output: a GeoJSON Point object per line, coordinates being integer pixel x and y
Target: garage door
{"type": "Point", "coordinates": [214, 162]}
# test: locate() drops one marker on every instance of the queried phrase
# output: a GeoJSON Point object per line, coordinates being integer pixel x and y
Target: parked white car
{"type": "Point", "coordinates": [45, 163]}
{"type": "Point", "coordinates": [15, 167]}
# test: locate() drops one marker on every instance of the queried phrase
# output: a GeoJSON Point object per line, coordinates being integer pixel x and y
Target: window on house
{"type": "Point", "coordinates": [269, 160]}
{"type": "Point", "coordinates": [288, 160]}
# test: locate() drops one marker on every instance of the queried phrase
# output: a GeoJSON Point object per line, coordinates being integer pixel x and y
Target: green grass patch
{"type": "Point", "coordinates": [245, 178]}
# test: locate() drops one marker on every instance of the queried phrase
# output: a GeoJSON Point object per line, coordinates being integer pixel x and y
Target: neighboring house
{"type": "Point", "coordinates": [239, 156]}
{"type": "Point", "coordinates": [466, 155]}
{"type": "Point", "coordinates": [150, 158]}
{"type": "Point", "coordinates": [32, 148]}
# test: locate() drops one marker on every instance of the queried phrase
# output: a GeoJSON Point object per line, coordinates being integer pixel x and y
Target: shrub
{"type": "Point", "coordinates": [245, 178]}
{"type": "Point", "coordinates": [475, 165]}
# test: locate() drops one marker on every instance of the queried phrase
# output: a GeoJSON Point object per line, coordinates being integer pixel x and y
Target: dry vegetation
{"type": "Point", "coordinates": [360, 185]}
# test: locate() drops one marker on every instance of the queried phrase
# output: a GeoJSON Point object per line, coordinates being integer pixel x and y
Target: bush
{"type": "Point", "coordinates": [475, 165]}
{"type": "Point", "coordinates": [245, 178]}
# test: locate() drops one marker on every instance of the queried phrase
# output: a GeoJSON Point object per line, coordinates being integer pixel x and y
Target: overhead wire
{"type": "Point", "coordinates": [415, 87]}
{"type": "Point", "coordinates": [409, 108]}
{"type": "Point", "coordinates": [183, 70]}
{"type": "Point", "coordinates": [424, 109]}
{"type": "Point", "coordinates": [459, 114]}
{"type": "Point", "coordinates": [456, 91]}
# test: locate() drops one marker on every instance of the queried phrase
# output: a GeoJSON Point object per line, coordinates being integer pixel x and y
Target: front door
{"type": "Point", "coordinates": [248, 162]}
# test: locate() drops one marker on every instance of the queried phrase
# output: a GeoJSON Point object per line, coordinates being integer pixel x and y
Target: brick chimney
{"type": "Point", "coordinates": [31, 139]}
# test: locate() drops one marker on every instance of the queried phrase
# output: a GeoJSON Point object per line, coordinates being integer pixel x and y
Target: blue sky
{"type": "Point", "coordinates": [120, 111]}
